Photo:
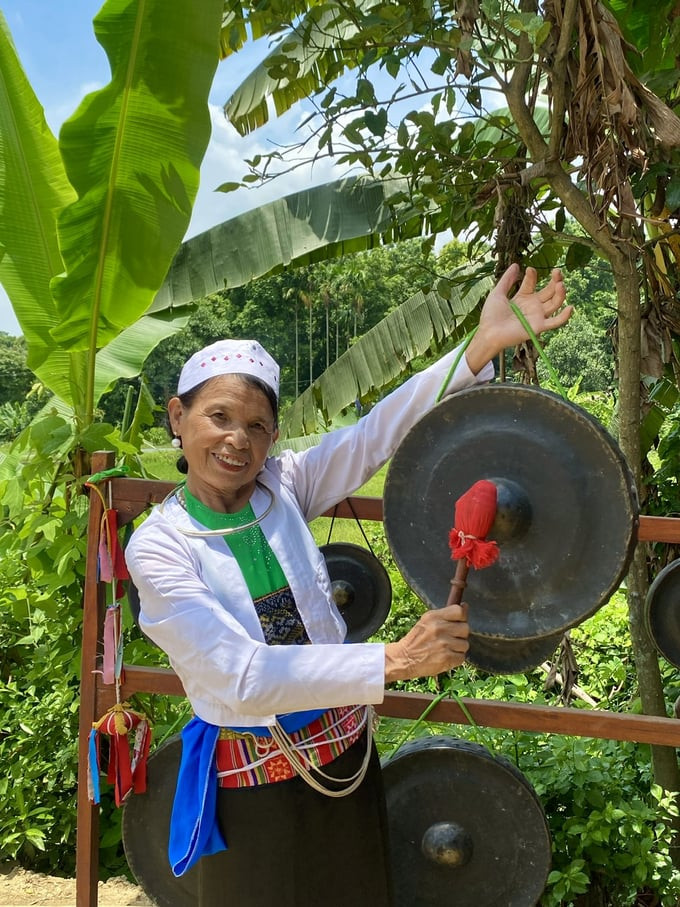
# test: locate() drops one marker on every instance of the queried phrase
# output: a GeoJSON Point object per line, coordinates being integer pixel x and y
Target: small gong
{"type": "Point", "coordinates": [146, 829]}
{"type": "Point", "coordinates": [662, 612]}
{"type": "Point", "coordinates": [566, 520]}
{"type": "Point", "coordinates": [465, 827]}
{"type": "Point", "coordinates": [361, 588]}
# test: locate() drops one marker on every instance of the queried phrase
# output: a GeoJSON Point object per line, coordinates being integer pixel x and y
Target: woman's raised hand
{"type": "Point", "coordinates": [499, 327]}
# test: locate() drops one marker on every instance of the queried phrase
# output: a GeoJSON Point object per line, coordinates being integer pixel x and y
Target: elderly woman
{"type": "Point", "coordinates": [279, 793]}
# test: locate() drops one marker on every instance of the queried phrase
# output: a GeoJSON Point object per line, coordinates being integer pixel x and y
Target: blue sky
{"type": "Point", "coordinates": [63, 61]}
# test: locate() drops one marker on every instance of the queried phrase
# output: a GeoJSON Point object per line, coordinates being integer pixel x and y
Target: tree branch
{"type": "Point", "coordinates": [559, 79]}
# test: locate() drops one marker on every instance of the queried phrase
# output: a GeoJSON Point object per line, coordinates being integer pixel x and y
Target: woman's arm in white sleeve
{"type": "Point", "coordinates": [210, 650]}
{"type": "Point", "coordinates": [346, 458]}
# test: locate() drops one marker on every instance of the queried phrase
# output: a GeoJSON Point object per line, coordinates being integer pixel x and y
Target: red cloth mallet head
{"type": "Point", "coordinates": [474, 516]}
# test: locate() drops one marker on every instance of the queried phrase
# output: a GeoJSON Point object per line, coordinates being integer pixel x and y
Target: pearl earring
{"type": "Point", "coordinates": [176, 442]}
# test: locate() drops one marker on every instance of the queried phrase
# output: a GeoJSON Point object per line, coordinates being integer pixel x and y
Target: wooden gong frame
{"type": "Point", "coordinates": [131, 497]}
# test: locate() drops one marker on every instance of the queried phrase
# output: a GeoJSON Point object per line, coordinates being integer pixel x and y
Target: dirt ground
{"type": "Point", "coordinates": [19, 888]}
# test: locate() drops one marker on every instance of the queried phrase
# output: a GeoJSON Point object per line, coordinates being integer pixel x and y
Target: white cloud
{"type": "Point", "coordinates": [224, 162]}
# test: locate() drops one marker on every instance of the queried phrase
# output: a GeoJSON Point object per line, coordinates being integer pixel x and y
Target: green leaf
{"type": "Point", "coordinates": [124, 356]}
{"type": "Point", "coordinates": [578, 255]}
{"type": "Point", "coordinates": [228, 187]}
{"type": "Point", "coordinates": [376, 122]}
{"type": "Point", "coordinates": [335, 219]}
{"type": "Point", "coordinates": [133, 151]}
{"type": "Point", "coordinates": [143, 416]}
{"type": "Point", "coordinates": [382, 354]}
{"type": "Point", "coordinates": [33, 189]}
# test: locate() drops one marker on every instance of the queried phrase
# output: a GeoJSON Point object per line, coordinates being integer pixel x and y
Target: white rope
{"type": "Point", "coordinates": [304, 768]}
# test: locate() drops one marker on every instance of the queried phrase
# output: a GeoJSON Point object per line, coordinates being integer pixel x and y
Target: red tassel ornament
{"type": "Point", "coordinates": [125, 771]}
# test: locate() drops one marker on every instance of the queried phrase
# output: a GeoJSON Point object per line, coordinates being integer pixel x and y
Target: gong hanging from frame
{"type": "Point", "coordinates": [360, 586]}
{"type": "Point", "coordinates": [566, 520]}
{"type": "Point", "coordinates": [465, 827]}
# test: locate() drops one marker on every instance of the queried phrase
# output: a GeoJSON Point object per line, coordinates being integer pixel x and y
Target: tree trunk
{"type": "Point", "coordinates": [664, 759]}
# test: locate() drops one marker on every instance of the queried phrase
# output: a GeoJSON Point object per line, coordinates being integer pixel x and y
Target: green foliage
{"type": "Point", "coordinates": [16, 379]}
{"type": "Point", "coordinates": [13, 418]}
{"type": "Point", "coordinates": [611, 827]}
{"type": "Point", "coordinates": [579, 356]}
{"type": "Point", "coordinates": [40, 588]}
{"type": "Point", "coordinates": [663, 492]}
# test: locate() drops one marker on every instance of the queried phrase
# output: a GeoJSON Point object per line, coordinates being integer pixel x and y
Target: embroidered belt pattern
{"type": "Point", "coordinates": [246, 760]}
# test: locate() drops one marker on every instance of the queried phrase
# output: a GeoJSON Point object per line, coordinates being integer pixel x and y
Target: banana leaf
{"type": "Point", "coordinates": [313, 54]}
{"type": "Point", "coordinates": [33, 190]}
{"type": "Point", "coordinates": [382, 354]}
{"type": "Point", "coordinates": [240, 22]}
{"type": "Point", "coordinates": [120, 193]}
{"type": "Point", "coordinates": [337, 218]}
{"type": "Point", "coordinates": [124, 356]}
{"type": "Point", "coordinates": [132, 151]}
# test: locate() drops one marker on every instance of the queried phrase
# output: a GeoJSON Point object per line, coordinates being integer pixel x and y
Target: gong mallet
{"type": "Point", "coordinates": [475, 513]}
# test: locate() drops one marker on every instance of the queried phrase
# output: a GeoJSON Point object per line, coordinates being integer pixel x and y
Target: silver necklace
{"type": "Point", "coordinates": [228, 530]}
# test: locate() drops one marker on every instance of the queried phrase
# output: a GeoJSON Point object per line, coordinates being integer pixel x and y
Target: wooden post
{"type": "Point", "coordinates": [133, 496]}
{"type": "Point", "coordinates": [87, 830]}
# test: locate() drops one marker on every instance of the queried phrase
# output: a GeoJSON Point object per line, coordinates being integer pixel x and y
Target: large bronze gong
{"type": "Point", "coordinates": [465, 827]}
{"type": "Point", "coordinates": [662, 612]}
{"type": "Point", "coordinates": [361, 588]}
{"type": "Point", "coordinates": [146, 827]}
{"type": "Point", "coordinates": [566, 522]}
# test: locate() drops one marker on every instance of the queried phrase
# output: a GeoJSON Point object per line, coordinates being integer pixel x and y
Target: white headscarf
{"type": "Point", "coordinates": [229, 357]}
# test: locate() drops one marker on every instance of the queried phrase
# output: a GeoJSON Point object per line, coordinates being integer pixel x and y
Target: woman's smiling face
{"type": "Point", "coordinates": [226, 434]}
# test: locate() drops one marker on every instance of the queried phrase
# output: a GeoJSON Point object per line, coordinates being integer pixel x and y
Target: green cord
{"type": "Point", "coordinates": [483, 735]}
{"type": "Point", "coordinates": [416, 724]}
{"type": "Point", "coordinates": [464, 345]}
{"type": "Point", "coordinates": [541, 352]}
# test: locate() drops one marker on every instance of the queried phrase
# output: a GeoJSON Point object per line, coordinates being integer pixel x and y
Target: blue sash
{"type": "Point", "coordinates": [194, 831]}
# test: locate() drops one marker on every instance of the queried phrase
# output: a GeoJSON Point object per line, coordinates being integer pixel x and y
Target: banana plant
{"type": "Point", "coordinates": [383, 353]}
{"type": "Point", "coordinates": [89, 225]}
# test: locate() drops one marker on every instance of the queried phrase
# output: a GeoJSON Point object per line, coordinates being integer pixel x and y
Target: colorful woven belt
{"type": "Point", "coordinates": [246, 760]}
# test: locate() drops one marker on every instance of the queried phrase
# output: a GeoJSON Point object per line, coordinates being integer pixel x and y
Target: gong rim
{"type": "Point", "coordinates": [145, 827]}
{"type": "Point", "coordinates": [497, 655]}
{"type": "Point", "coordinates": [368, 588]}
{"type": "Point", "coordinates": [443, 780]}
{"type": "Point", "coordinates": [662, 614]}
{"type": "Point", "coordinates": [516, 436]}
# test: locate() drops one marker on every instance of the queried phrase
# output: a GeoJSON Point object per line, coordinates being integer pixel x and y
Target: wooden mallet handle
{"type": "Point", "coordinates": [458, 583]}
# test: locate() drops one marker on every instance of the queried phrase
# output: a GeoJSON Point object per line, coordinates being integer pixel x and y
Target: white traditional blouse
{"type": "Point", "coordinates": [194, 602]}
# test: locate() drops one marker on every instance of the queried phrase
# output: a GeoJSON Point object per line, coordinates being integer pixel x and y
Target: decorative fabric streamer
{"type": "Point", "coordinates": [112, 663]}
{"type": "Point", "coordinates": [112, 570]}
{"type": "Point", "coordinates": [112, 566]}
{"type": "Point", "coordinates": [125, 771]}
{"type": "Point", "coordinates": [474, 515]}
